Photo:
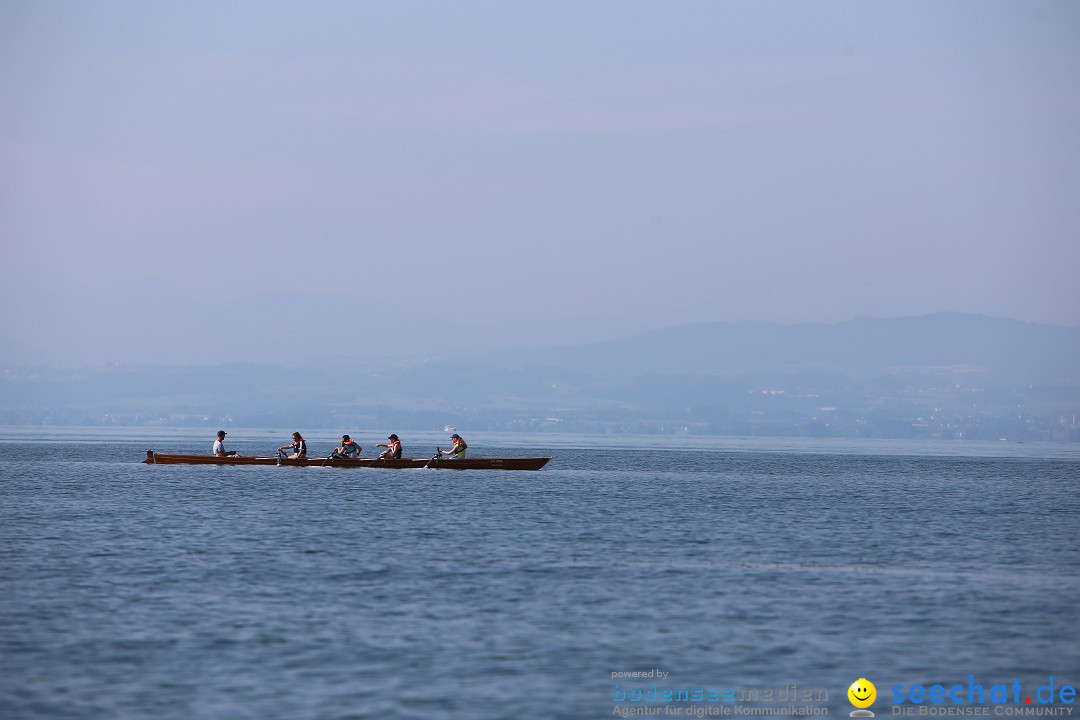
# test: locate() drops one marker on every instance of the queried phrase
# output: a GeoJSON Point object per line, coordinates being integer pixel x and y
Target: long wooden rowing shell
{"type": "Point", "coordinates": [156, 458]}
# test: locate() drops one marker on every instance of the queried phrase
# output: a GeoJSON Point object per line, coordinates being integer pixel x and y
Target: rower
{"type": "Point", "coordinates": [297, 449]}
{"type": "Point", "coordinates": [393, 448]}
{"type": "Point", "coordinates": [347, 449]}
{"type": "Point", "coordinates": [458, 451]}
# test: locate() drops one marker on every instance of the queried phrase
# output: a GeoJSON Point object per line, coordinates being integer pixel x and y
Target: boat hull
{"type": "Point", "coordinates": [155, 458]}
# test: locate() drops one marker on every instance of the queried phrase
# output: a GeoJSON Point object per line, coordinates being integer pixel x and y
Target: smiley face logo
{"type": "Point", "coordinates": [862, 693]}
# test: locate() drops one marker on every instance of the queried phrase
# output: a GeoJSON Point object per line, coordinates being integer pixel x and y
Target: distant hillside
{"type": "Point", "coordinates": [940, 376]}
{"type": "Point", "coordinates": [1040, 352]}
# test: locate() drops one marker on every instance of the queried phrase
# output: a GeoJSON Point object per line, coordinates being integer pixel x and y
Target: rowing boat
{"type": "Point", "coordinates": [519, 463]}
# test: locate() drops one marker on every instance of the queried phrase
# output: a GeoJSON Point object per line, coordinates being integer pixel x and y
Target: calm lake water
{"type": "Point", "coordinates": [139, 591]}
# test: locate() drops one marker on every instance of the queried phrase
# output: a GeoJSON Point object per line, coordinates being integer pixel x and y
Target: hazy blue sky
{"type": "Point", "coordinates": [210, 181]}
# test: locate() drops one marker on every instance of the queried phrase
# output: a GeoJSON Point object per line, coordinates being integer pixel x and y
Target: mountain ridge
{"type": "Point", "coordinates": [945, 375]}
{"type": "Point", "coordinates": [859, 344]}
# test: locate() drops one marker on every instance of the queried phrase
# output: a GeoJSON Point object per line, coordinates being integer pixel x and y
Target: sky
{"type": "Point", "coordinates": [205, 182]}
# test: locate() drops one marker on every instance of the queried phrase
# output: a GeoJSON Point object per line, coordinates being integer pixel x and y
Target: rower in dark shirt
{"type": "Point", "coordinates": [298, 448]}
{"type": "Point", "coordinates": [393, 448]}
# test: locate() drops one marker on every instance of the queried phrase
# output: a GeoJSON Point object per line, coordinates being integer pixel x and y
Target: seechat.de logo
{"type": "Point", "coordinates": [976, 693]}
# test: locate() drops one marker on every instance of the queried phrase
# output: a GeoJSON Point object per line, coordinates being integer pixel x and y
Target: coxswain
{"type": "Point", "coordinates": [219, 445]}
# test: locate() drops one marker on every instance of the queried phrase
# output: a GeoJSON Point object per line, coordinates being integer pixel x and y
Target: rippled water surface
{"type": "Point", "coordinates": [130, 590]}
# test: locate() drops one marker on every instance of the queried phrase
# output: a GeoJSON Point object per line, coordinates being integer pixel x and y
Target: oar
{"type": "Point", "coordinates": [438, 452]}
{"type": "Point", "coordinates": [328, 459]}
